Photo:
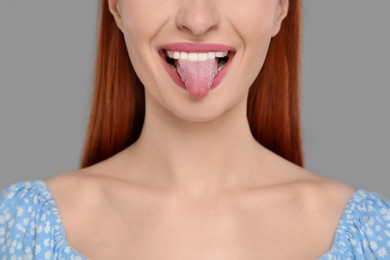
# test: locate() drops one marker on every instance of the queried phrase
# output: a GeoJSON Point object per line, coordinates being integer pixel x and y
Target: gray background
{"type": "Point", "coordinates": [46, 63]}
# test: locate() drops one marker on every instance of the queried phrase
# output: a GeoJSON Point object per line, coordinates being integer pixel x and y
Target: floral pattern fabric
{"type": "Point", "coordinates": [31, 227]}
{"type": "Point", "coordinates": [363, 231]}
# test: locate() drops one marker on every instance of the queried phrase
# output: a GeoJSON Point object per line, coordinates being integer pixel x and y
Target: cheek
{"type": "Point", "coordinates": [143, 18]}
{"type": "Point", "coordinates": [254, 19]}
{"type": "Point", "coordinates": [135, 25]}
{"type": "Point", "coordinates": [253, 22]}
{"type": "Point", "coordinates": [141, 22]}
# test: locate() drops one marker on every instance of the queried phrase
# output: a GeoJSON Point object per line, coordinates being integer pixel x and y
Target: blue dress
{"type": "Point", "coordinates": [31, 228]}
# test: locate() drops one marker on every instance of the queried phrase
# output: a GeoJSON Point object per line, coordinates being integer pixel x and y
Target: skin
{"type": "Point", "coordinates": [196, 185]}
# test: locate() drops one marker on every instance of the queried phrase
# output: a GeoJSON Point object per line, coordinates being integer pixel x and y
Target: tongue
{"type": "Point", "coordinates": [197, 75]}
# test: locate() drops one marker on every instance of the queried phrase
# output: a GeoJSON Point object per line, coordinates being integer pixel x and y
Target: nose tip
{"type": "Point", "coordinates": [197, 17]}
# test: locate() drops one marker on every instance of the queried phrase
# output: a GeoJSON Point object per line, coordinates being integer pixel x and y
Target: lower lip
{"type": "Point", "coordinates": [176, 78]}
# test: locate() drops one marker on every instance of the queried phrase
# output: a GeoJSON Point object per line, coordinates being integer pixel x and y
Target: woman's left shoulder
{"type": "Point", "coordinates": [360, 219]}
{"type": "Point", "coordinates": [342, 194]}
{"type": "Point", "coordinates": [337, 198]}
{"type": "Point", "coordinates": [363, 230]}
{"type": "Point", "coordinates": [318, 191]}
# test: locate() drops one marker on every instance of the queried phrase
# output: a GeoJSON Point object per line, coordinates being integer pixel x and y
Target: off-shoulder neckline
{"type": "Point", "coordinates": [348, 208]}
{"type": "Point", "coordinates": [336, 237]}
{"type": "Point", "coordinates": [43, 187]}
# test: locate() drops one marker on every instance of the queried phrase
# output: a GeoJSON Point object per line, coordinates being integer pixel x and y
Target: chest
{"type": "Point", "coordinates": [194, 235]}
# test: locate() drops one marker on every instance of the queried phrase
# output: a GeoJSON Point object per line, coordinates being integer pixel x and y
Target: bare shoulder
{"type": "Point", "coordinates": [317, 193]}
{"type": "Point", "coordinates": [73, 184]}
{"type": "Point", "coordinates": [74, 191]}
{"type": "Point", "coordinates": [77, 194]}
{"type": "Point", "coordinates": [327, 192]}
{"type": "Point", "coordinates": [324, 201]}
{"type": "Point", "coordinates": [322, 196]}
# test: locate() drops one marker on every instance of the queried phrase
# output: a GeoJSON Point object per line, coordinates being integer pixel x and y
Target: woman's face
{"type": "Point", "coordinates": [198, 58]}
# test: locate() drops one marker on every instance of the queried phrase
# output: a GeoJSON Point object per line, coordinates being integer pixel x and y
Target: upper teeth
{"type": "Point", "coordinates": [195, 56]}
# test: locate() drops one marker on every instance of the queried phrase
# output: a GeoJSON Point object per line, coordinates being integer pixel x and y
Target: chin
{"type": "Point", "coordinates": [203, 111]}
{"type": "Point", "coordinates": [198, 118]}
{"type": "Point", "coordinates": [199, 113]}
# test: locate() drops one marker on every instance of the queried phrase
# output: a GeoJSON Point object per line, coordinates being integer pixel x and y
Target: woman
{"type": "Point", "coordinates": [193, 149]}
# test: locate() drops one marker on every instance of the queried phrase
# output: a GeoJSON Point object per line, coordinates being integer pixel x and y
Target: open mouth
{"type": "Point", "coordinates": [172, 57]}
{"type": "Point", "coordinates": [195, 67]}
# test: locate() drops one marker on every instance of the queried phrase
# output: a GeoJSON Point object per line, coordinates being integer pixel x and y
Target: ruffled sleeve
{"type": "Point", "coordinates": [364, 229]}
{"type": "Point", "coordinates": [30, 226]}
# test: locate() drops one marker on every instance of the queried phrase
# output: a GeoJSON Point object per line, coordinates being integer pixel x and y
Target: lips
{"type": "Point", "coordinates": [196, 52]}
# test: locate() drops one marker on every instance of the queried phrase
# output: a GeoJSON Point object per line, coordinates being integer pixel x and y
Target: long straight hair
{"type": "Point", "coordinates": [118, 99]}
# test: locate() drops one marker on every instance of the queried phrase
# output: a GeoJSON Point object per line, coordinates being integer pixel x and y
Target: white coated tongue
{"type": "Point", "coordinates": [197, 75]}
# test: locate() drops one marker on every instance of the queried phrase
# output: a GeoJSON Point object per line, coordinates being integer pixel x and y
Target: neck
{"type": "Point", "coordinates": [196, 157]}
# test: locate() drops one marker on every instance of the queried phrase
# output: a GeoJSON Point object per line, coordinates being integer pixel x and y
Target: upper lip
{"type": "Point", "coordinates": [197, 47]}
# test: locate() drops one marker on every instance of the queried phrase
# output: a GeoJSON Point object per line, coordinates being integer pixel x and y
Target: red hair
{"type": "Point", "coordinates": [118, 101]}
